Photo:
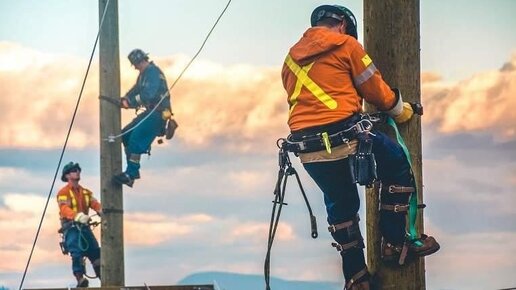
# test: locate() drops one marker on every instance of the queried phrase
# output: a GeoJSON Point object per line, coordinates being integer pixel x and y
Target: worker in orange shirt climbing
{"type": "Point", "coordinates": [327, 75]}
{"type": "Point", "coordinates": [74, 202]}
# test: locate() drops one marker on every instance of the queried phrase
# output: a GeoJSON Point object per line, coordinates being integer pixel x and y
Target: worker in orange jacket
{"type": "Point", "coordinates": [74, 202]}
{"type": "Point", "coordinates": [327, 75]}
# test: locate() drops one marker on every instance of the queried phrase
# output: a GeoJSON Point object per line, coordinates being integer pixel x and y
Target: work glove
{"type": "Point", "coordinates": [82, 218]}
{"type": "Point", "coordinates": [405, 114]}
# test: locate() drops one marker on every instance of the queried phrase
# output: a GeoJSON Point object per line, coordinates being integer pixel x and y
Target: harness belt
{"type": "Point", "coordinates": [399, 189]}
{"type": "Point", "coordinates": [403, 208]}
{"type": "Point", "coordinates": [317, 142]}
{"type": "Point", "coordinates": [333, 228]}
{"type": "Point", "coordinates": [327, 136]}
{"type": "Point", "coordinates": [347, 225]}
{"type": "Point", "coordinates": [398, 208]}
{"type": "Point", "coordinates": [356, 277]}
{"type": "Point", "coordinates": [344, 247]}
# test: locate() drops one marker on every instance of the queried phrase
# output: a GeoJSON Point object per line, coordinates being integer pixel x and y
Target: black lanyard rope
{"type": "Point", "coordinates": [285, 170]}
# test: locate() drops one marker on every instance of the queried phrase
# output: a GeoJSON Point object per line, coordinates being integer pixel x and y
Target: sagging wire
{"type": "Point", "coordinates": [111, 138]}
{"type": "Point", "coordinates": [64, 146]}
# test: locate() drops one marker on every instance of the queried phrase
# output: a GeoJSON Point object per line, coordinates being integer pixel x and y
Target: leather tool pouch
{"type": "Point", "coordinates": [170, 129]}
{"type": "Point", "coordinates": [362, 163]}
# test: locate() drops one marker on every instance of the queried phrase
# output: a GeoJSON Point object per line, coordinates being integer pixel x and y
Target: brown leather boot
{"type": "Point", "coordinates": [360, 281]}
{"type": "Point", "coordinates": [397, 253]}
{"type": "Point", "coordinates": [430, 246]}
{"type": "Point", "coordinates": [360, 286]}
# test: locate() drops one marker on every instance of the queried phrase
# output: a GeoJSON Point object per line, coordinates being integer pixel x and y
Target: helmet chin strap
{"type": "Point", "coordinates": [343, 26]}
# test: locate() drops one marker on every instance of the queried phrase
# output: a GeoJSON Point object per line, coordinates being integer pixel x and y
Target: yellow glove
{"type": "Point", "coordinates": [405, 114]}
{"type": "Point", "coordinates": [166, 114]}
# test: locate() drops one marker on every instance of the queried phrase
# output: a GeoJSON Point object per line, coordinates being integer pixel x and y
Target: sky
{"type": "Point", "coordinates": [204, 200]}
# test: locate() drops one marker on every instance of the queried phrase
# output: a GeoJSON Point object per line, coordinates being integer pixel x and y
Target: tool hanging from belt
{"type": "Point", "coordinates": [285, 169]}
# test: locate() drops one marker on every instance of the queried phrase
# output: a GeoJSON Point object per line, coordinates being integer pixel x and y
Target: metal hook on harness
{"type": "Point", "coordinates": [363, 126]}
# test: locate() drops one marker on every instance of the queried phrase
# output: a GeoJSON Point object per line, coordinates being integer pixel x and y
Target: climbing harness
{"type": "Point", "coordinates": [112, 138]}
{"type": "Point", "coordinates": [285, 170]}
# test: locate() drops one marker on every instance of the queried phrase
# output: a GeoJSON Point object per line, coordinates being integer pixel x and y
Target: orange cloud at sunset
{"type": "Point", "coordinates": [484, 102]}
{"type": "Point", "coordinates": [240, 107]}
{"type": "Point", "coordinates": [19, 219]}
{"type": "Point", "coordinates": [210, 102]}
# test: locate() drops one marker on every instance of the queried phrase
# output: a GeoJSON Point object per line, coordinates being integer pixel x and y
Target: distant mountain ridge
{"type": "Point", "coordinates": [236, 281]}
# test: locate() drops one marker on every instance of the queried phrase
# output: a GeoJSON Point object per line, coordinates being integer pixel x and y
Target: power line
{"type": "Point", "coordinates": [64, 146]}
{"type": "Point", "coordinates": [112, 138]}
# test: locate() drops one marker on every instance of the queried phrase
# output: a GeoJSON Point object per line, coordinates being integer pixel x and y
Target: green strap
{"type": "Point", "coordinates": [83, 242]}
{"type": "Point", "coordinates": [413, 197]}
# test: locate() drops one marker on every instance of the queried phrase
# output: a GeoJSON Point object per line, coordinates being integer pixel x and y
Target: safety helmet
{"type": "Point", "coordinates": [136, 56]}
{"type": "Point", "coordinates": [336, 12]}
{"type": "Point", "coordinates": [69, 168]}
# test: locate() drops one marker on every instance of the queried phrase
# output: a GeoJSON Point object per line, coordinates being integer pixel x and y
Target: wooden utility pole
{"type": "Point", "coordinates": [112, 238]}
{"type": "Point", "coordinates": [392, 40]}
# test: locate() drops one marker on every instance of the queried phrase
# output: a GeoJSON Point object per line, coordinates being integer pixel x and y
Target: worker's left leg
{"type": "Point", "coordinates": [398, 184]}
{"type": "Point", "coordinates": [139, 143]}
{"type": "Point", "coordinates": [93, 252]}
{"type": "Point", "coordinates": [342, 204]}
{"type": "Point", "coordinates": [72, 244]}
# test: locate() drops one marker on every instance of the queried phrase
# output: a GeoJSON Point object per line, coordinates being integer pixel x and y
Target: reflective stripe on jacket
{"type": "Point", "coordinates": [326, 75]}
{"type": "Point", "coordinates": [72, 201]}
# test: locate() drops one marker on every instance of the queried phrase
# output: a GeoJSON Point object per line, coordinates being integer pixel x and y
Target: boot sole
{"type": "Point", "coordinates": [428, 252]}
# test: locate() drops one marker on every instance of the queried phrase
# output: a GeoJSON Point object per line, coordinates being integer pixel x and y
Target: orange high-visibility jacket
{"type": "Point", "coordinates": [71, 201]}
{"type": "Point", "coordinates": [326, 74]}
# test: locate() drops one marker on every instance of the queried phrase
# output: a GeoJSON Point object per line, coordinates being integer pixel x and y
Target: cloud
{"type": "Point", "coordinates": [20, 215]}
{"type": "Point", "coordinates": [150, 229]}
{"type": "Point", "coordinates": [482, 104]}
{"type": "Point", "coordinates": [250, 230]}
{"type": "Point", "coordinates": [238, 108]}
{"type": "Point", "coordinates": [18, 224]}
{"type": "Point", "coordinates": [215, 105]}
{"type": "Point", "coordinates": [461, 255]}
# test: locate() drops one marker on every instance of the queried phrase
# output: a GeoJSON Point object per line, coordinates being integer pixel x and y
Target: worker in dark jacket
{"type": "Point", "coordinates": [327, 75]}
{"type": "Point", "coordinates": [151, 93]}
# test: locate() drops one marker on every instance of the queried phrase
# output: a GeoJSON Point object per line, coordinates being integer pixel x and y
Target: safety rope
{"type": "Point", "coordinates": [82, 239]}
{"type": "Point", "coordinates": [64, 146]}
{"type": "Point", "coordinates": [112, 138]}
{"type": "Point", "coordinates": [412, 233]}
{"type": "Point", "coordinates": [285, 169]}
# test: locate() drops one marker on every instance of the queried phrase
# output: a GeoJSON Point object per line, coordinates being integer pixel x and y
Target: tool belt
{"type": "Point", "coordinates": [318, 138]}
{"type": "Point", "coordinates": [362, 163]}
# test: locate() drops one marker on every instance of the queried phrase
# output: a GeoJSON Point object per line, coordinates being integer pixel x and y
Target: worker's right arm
{"type": "Point", "coordinates": [65, 205]}
{"type": "Point", "coordinates": [368, 81]}
{"type": "Point", "coordinates": [374, 89]}
{"type": "Point", "coordinates": [129, 99]}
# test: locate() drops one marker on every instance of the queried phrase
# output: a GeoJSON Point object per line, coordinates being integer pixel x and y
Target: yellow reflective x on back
{"type": "Point", "coordinates": [304, 80]}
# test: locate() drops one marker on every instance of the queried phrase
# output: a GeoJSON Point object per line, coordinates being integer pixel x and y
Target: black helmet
{"type": "Point", "coordinates": [69, 168]}
{"type": "Point", "coordinates": [136, 56]}
{"type": "Point", "coordinates": [337, 12]}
